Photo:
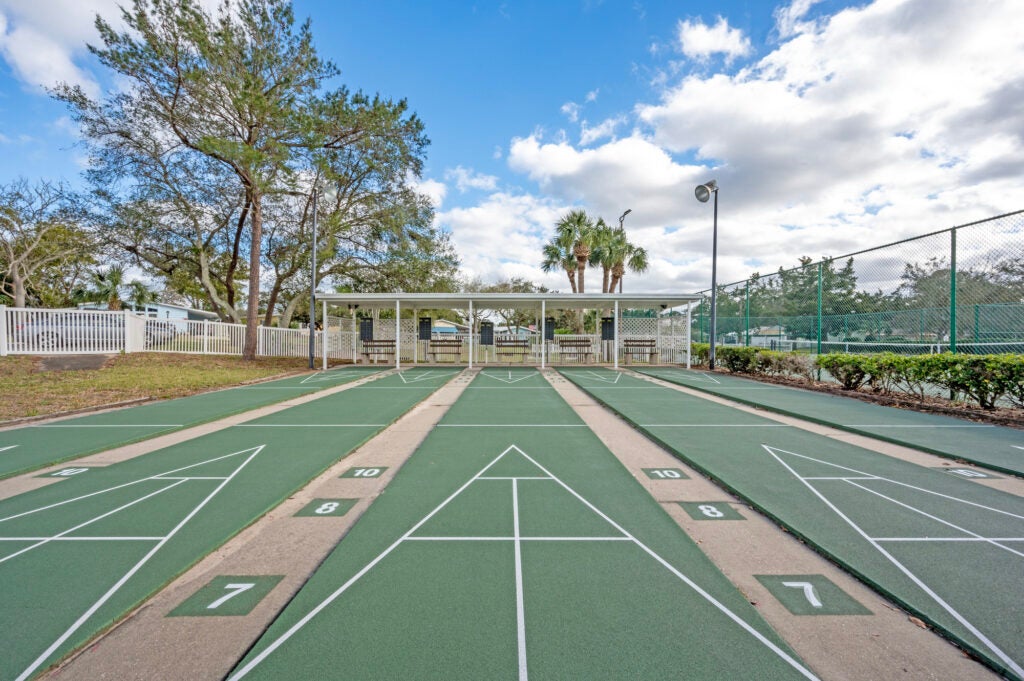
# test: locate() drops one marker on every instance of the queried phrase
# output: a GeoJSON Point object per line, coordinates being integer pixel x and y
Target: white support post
{"type": "Point", "coordinates": [615, 341]}
{"type": "Point", "coordinates": [689, 330]}
{"type": "Point", "coordinates": [3, 330]}
{"type": "Point", "coordinates": [127, 332]}
{"type": "Point", "coordinates": [324, 333]}
{"type": "Point", "coordinates": [398, 335]}
{"type": "Point", "coordinates": [206, 336]}
{"type": "Point", "coordinates": [543, 331]}
{"type": "Point", "coordinates": [471, 334]}
{"type": "Point", "coordinates": [657, 334]}
{"type": "Point", "coordinates": [415, 336]}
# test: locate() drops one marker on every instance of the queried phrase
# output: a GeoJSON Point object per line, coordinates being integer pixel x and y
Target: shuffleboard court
{"type": "Point", "coordinates": [995, 447]}
{"type": "Point", "coordinates": [34, 446]}
{"type": "Point", "coordinates": [77, 555]}
{"type": "Point", "coordinates": [947, 549]}
{"type": "Point", "coordinates": [514, 545]}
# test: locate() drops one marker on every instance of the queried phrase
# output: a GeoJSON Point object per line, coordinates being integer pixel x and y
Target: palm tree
{"type": "Point", "coordinates": [577, 228]}
{"type": "Point", "coordinates": [628, 256]}
{"type": "Point", "coordinates": [106, 286]}
{"type": "Point", "coordinates": [558, 254]}
{"type": "Point", "coordinates": [603, 252]}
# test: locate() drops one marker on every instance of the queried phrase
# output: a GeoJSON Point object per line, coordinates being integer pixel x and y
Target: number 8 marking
{"type": "Point", "coordinates": [710, 511]}
{"type": "Point", "coordinates": [328, 507]}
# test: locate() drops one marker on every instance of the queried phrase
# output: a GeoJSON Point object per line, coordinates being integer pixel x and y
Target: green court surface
{"type": "Point", "coordinates": [948, 549]}
{"type": "Point", "coordinates": [77, 555]}
{"type": "Point", "coordinates": [35, 446]}
{"type": "Point", "coordinates": [514, 545]}
{"type": "Point", "coordinates": [994, 447]}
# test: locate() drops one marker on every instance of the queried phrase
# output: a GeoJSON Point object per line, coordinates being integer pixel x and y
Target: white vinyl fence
{"type": "Point", "coordinates": [25, 331]}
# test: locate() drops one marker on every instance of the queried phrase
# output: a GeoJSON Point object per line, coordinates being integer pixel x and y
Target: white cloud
{"type": "Point", "coordinates": [699, 41]}
{"type": "Point", "coordinates": [501, 237]}
{"type": "Point", "coordinates": [571, 111]}
{"type": "Point", "coordinates": [604, 129]}
{"type": "Point", "coordinates": [433, 189]}
{"type": "Point", "coordinates": [788, 19]}
{"type": "Point", "coordinates": [865, 127]}
{"type": "Point", "coordinates": [466, 179]}
{"type": "Point", "coordinates": [45, 42]}
{"type": "Point", "coordinates": [592, 95]}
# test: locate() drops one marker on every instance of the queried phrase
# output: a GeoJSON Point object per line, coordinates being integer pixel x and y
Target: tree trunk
{"type": "Point", "coordinates": [581, 267]}
{"type": "Point", "coordinates": [252, 312]}
{"type": "Point", "coordinates": [19, 288]}
{"type": "Point", "coordinates": [572, 279]}
{"type": "Point", "coordinates": [605, 281]}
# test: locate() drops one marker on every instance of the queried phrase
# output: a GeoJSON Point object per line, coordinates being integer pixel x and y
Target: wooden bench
{"type": "Point", "coordinates": [578, 349]}
{"type": "Point", "coordinates": [445, 347]}
{"type": "Point", "coordinates": [374, 349]}
{"type": "Point", "coordinates": [512, 347]}
{"type": "Point", "coordinates": [648, 349]}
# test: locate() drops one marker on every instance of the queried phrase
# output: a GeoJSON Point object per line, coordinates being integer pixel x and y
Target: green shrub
{"type": "Point", "coordinates": [700, 352]}
{"type": "Point", "coordinates": [849, 370]}
{"type": "Point", "coordinates": [738, 360]}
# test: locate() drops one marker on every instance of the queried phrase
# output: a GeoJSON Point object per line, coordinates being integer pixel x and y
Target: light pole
{"type": "Point", "coordinates": [312, 293]}
{"type": "Point", "coordinates": [621, 229]}
{"type": "Point", "coordinates": [703, 192]}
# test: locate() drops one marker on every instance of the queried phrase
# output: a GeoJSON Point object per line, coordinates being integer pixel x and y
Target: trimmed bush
{"type": "Point", "coordinates": [700, 352]}
{"type": "Point", "coordinates": [850, 370]}
{"type": "Point", "coordinates": [738, 360]}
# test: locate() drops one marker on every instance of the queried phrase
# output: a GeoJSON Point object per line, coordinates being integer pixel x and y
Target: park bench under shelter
{"type": "Point", "coordinates": [650, 345]}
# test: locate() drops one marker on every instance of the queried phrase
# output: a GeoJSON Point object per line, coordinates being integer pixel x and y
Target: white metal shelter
{"type": "Point", "coordinates": [661, 304]}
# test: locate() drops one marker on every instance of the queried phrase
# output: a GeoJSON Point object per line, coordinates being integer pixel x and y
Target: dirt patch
{"type": "Point", "coordinates": [73, 362]}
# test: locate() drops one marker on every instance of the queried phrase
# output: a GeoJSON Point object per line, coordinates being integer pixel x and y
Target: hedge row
{"type": "Point", "coordinates": [984, 379]}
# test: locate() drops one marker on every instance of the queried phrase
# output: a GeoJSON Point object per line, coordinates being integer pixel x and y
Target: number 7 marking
{"type": "Point", "coordinates": [809, 593]}
{"type": "Point", "coordinates": [235, 589]}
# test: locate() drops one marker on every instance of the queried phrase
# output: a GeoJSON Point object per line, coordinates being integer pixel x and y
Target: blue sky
{"type": "Point", "coordinates": [831, 126]}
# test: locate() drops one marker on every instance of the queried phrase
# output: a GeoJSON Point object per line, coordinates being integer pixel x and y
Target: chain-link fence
{"type": "Point", "coordinates": [959, 289]}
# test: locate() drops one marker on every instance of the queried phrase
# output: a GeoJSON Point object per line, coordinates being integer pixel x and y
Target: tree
{"type": "Point", "coordinates": [577, 228]}
{"type": "Point", "coordinates": [927, 287]}
{"type": "Point", "coordinates": [241, 91]}
{"type": "Point", "coordinates": [559, 254]}
{"type": "Point", "coordinates": [39, 235]}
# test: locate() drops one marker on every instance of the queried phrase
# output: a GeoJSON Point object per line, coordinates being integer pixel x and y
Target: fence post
{"type": "Point", "coordinates": [3, 330]}
{"type": "Point", "coordinates": [206, 336]}
{"type": "Point", "coordinates": [976, 315]}
{"type": "Point", "coordinates": [952, 291]}
{"type": "Point", "coordinates": [746, 315]}
{"type": "Point", "coordinates": [127, 322]}
{"type": "Point", "coordinates": [819, 308]}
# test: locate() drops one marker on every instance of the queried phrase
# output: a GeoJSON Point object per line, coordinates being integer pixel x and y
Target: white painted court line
{"type": "Point", "coordinates": [520, 601]}
{"type": "Point", "coordinates": [510, 380]}
{"type": "Point", "coordinates": [895, 425]}
{"type": "Point", "coordinates": [60, 538]}
{"type": "Point", "coordinates": [517, 539]}
{"type": "Point", "coordinates": [68, 531]}
{"type": "Point", "coordinates": [4, 449]}
{"type": "Point", "coordinates": [933, 517]}
{"type": "Point", "coordinates": [510, 425]}
{"type": "Point", "coordinates": [712, 378]}
{"type": "Point", "coordinates": [892, 559]}
{"type": "Point", "coordinates": [30, 670]}
{"type": "Point", "coordinates": [310, 425]}
{"type": "Point", "coordinates": [1014, 446]}
{"type": "Point", "coordinates": [109, 425]}
{"type": "Point", "coordinates": [945, 539]}
{"type": "Point", "coordinates": [127, 484]}
{"type": "Point", "coordinates": [602, 377]}
{"type": "Point", "coordinates": [715, 425]}
{"type": "Point", "coordinates": [424, 376]}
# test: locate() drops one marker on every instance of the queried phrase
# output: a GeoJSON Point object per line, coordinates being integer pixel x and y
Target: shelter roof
{"type": "Point", "coordinates": [495, 301]}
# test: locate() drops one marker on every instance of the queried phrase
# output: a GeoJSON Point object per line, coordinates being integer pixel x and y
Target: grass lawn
{"type": "Point", "coordinates": [30, 390]}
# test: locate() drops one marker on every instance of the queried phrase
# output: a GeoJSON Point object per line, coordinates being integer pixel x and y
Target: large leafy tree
{"type": "Point", "coordinates": [40, 239]}
{"type": "Point", "coordinates": [558, 254]}
{"type": "Point", "coordinates": [242, 92]}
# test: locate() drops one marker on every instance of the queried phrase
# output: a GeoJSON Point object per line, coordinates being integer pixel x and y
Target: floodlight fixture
{"type": "Point", "coordinates": [623, 216]}
{"type": "Point", "coordinates": [704, 191]}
